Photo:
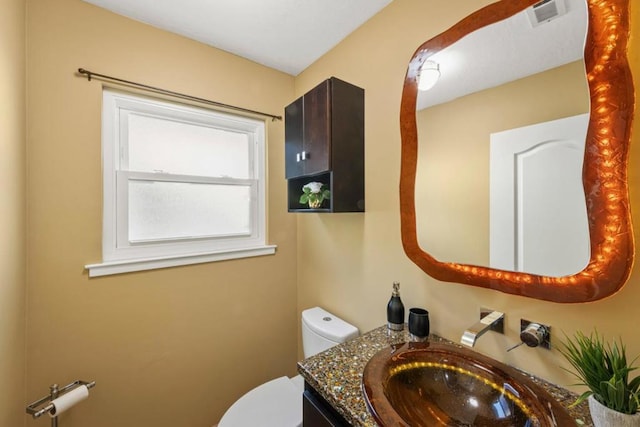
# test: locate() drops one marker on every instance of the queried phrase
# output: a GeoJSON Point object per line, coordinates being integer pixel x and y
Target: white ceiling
{"type": "Point", "coordinates": [288, 35]}
{"type": "Point", "coordinates": [507, 51]}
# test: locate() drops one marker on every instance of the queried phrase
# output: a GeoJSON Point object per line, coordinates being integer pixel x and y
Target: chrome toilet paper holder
{"type": "Point", "coordinates": [35, 409]}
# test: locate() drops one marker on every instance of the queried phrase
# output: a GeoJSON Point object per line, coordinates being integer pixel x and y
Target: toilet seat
{"type": "Point", "coordinates": [277, 403]}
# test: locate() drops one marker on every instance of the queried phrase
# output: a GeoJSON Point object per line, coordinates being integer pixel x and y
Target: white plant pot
{"type": "Point", "coordinates": [605, 417]}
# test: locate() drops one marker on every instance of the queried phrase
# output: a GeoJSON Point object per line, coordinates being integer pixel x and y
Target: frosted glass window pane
{"type": "Point", "coordinates": [179, 148]}
{"type": "Point", "coordinates": [173, 210]}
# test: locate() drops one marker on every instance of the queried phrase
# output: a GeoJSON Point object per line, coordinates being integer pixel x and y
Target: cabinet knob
{"type": "Point", "coordinates": [305, 155]}
{"type": "Point", "coordinates": [297, 157]}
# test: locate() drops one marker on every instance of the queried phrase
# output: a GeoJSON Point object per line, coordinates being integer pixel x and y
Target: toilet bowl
{"type": "Point", "coordinates": [278, 403]}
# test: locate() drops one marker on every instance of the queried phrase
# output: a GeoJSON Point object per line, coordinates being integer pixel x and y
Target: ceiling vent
{"type": "Point", "coordinates": [546, 11]}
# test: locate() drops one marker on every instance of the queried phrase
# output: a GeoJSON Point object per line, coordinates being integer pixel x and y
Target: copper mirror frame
{"type": "Point", "coordinates": [605, 162]}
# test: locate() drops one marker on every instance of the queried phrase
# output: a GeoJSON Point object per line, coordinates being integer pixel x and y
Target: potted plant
{"type": "Point", "coordinates": [602, 367]}
{"type": "Point", "coordinates": [314, 194]}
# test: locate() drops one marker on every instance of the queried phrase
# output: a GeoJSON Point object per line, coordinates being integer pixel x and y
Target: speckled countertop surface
{"type": "Point", "coordinates": [337, 374]}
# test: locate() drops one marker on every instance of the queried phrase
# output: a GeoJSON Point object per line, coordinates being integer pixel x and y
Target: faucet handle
{"type": "Point", "coordinates": [535, 334]}
{"type": "Point", "coordinates": [515, 346]}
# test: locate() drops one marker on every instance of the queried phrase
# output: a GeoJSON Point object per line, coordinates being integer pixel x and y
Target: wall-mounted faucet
{"type": "Point", "coordinates": [489, 320]}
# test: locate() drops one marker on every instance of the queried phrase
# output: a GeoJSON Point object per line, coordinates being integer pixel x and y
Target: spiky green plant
{"type": "Point", "coordinates": [603, 368]}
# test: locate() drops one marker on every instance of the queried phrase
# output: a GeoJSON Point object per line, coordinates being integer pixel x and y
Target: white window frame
{"type": "Point", "coordinates": [121, 255]}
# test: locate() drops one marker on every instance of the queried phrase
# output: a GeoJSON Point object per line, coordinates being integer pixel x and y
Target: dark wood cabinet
{"type": "Point", "coordinates": [308, 133]}
{"type": "Point", "coordinates": [317, 412]}
{"type": "Point", "coordinates": [324, 142]}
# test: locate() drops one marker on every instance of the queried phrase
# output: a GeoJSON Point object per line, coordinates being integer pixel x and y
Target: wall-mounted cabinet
{"type": "Point", "coordinates": [324, 142]}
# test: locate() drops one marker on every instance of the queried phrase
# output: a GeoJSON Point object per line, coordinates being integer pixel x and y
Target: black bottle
{"type": "Point", "coordinates": [395, 310]}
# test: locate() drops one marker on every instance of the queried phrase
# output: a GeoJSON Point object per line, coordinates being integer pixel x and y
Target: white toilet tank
{"type": "Point", "coordinates": [322, 330]}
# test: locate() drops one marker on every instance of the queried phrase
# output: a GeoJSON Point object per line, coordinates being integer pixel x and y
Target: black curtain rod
{"type": "Point", "coordinates": [91, 74]}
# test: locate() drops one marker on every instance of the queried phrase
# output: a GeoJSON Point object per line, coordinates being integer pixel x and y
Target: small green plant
{"type": "Point", "coordinates": [603, 368]}
{"type": "Point", "coordinates": [314, 194]}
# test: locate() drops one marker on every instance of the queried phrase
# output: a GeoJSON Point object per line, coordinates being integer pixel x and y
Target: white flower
{"type": "Point", "coordinates": [314, 187]}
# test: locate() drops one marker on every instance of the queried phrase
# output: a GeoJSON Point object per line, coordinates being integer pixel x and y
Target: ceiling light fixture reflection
{"type": "Point", "coordinates": [429, 75]}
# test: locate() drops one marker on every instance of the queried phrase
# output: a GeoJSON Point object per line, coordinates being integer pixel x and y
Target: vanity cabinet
{"type": "Point", "coordinates": [317, 412]}
{"type": "Point", "coordinates": [324, 142]}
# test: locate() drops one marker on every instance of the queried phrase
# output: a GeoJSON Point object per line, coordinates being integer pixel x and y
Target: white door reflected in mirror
{"type": "Point", "coordinates": [538, 215]}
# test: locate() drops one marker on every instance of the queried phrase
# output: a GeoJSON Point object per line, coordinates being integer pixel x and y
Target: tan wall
{"type": "Point", "coordinates": [452, 182]}
{"type": "Point", "coordinates": [171, 347]}
{"type": "Point", "coordinates": [360, 255]}
{"type": "Point", "coordinates": [12, 213]}
{"type": "Point", "coordinates": [177, 346]}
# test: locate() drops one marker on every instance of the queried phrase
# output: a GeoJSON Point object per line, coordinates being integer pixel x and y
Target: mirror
{"type": "Point", "coordinates": [494, 171]}
{"type": "Point", "coordinates": [608, 259]}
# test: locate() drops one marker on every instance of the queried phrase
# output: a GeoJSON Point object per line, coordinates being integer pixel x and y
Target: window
{"type": "Point", "coordinates": [182, 185]}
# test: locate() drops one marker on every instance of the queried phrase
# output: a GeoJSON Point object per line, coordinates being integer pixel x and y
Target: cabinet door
{"type": "Point", "coordinates": [317, 130]}
{"type": "Point", "coordinates": [316, 412]}
{"type": "Point", "coordinates": [294, 134]}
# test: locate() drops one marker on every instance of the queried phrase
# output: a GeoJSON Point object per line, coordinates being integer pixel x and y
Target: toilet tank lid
{"type": "Point", "coordinates": [328, 325]}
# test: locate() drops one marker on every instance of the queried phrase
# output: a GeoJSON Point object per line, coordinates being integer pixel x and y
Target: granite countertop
{"type": "Point", "coordinates": [337, 375]}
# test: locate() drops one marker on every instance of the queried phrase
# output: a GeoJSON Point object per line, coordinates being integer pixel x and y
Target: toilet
{"type": "Point", "coordinates": [278, 403]}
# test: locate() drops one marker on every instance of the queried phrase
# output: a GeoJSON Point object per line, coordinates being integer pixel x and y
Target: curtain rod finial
{"type": "Point", "coordinates": [83, 71]}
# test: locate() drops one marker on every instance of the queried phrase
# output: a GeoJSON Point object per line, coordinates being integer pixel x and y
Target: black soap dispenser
{"type": "Point", "coordinates": [395, 310]}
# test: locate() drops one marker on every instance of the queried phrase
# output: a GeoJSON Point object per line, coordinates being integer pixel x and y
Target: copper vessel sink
{"type": "Point", "coordinates": [439, 384]}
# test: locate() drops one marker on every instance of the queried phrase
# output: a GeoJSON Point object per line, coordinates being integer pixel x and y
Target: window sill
{"type": "Point", "coordinates": [140, 264]}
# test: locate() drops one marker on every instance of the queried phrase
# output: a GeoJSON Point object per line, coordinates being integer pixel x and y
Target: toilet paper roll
{"type": "Point", "coordinates": [68, 400]}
